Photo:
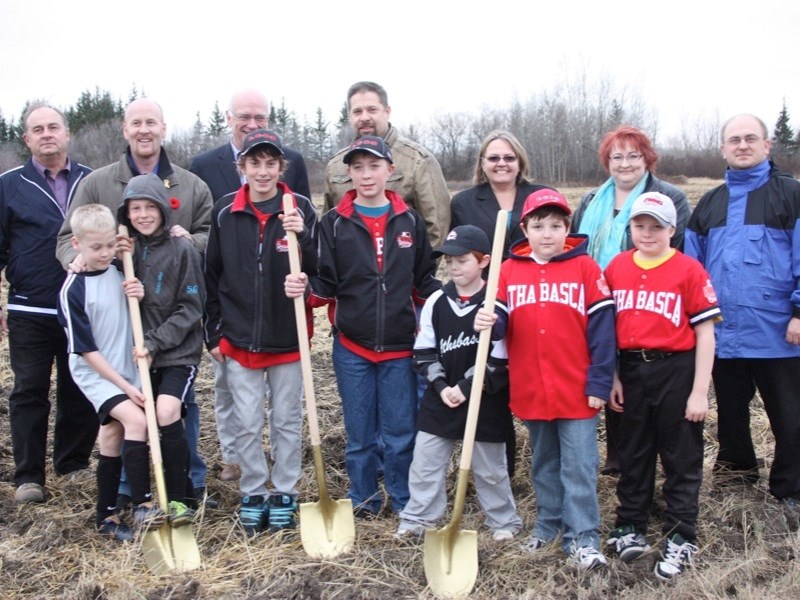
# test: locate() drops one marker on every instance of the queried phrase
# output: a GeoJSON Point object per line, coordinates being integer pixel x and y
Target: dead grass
{"type": "Point", "coordinates": [749, 547]}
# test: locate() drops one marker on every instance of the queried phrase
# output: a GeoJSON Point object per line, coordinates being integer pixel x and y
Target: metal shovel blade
{"type": "Point", "coordinates": [157, 550]}
{"type": "Point", "coordinates": [184, 548]}
{"type": "Point", "coordinates": [327, 529]}
{"type": "Point", "coordinates": [451, 561]}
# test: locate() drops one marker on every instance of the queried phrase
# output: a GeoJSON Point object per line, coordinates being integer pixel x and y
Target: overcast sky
{"type": "Point", "coordinates": [687, 59]}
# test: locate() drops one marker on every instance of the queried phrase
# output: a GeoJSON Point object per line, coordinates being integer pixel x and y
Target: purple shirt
{"type": "Point", "coordinates": [58, 183]}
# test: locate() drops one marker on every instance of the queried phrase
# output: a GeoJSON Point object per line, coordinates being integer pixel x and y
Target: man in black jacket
{"type": "Point", "coordinates": [248, 111]}
{"type": "Point", "coordinates": [34, 199]}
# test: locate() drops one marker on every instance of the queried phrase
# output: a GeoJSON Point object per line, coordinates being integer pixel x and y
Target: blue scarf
{"type": "Point", "coordinates": [607, 233]}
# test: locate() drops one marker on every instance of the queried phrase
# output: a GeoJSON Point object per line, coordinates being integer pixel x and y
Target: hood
{"type": "Point", "coordinates": [575, 245]}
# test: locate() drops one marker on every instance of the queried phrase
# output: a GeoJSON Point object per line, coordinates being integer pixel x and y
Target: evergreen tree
{"type": "Point", "coordinates": [216, 123]}
{"type": "Point", "coordinates": [93, 108]}
{"type": "Point", "coordinates": [4, 127]}
{"type": "Point", "coordinates": [783, 137]}
{"type": "Point", "coordinates": [318, 139]}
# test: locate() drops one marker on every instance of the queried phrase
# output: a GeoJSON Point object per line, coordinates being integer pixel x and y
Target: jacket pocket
{"type": "Point", "coordinates": [767, 298]}
{"type": "Point", "coordinates": [754, 247]}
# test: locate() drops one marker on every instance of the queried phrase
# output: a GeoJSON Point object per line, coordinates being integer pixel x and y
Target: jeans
{"type": "Point", "coordinates": [34, 343]}
{"type": "Point", "coordinates": [564, 465]}
{"type": "Point", "coordinates": [376, 395]}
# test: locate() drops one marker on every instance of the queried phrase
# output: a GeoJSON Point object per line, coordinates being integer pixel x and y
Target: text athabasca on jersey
{"type": "Point", "coordinates": [572, 294]}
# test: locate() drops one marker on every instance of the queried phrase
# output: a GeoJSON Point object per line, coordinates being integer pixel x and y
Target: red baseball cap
{"type": "Point", "coordinates": [545, 197]}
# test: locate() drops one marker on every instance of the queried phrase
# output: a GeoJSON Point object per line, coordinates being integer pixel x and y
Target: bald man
{"type": "Point", "coordinates": [247, 111]}
{"type": "Point", "coordinates": [144, 130]}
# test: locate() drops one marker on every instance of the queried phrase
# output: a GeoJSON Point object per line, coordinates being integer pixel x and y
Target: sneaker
{"type": "Point", "coordinates": [502, 535]}
{"type": "Point", "coordinates": [587, 558]}
{"type": "Point", "coordinates": [532, 544]}
{"type": "Point", "coordinates": [252, 512]}
{"type": "Point", "coordinates": [29, 492]}
{"type": "Point", "coordinates": [230, 472]}
{"type": "Point", "coordinates": [147, 517]}
{"type": "Point", "coordinates": [678, 554]}
{"type": "Point", "coordinates": [628, 543]}
{"type": "Point", "coordinates": [405, 532]}
{"type": "Point", "coordinates": [282, 509]}
{"type": "Point", "coordinates": [114, 528]}
{"type": "Point", "coordinates": [179, 514]}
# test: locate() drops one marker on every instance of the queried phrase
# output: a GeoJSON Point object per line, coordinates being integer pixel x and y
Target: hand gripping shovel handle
{"type": "Point", "coordinates": [147, 388]}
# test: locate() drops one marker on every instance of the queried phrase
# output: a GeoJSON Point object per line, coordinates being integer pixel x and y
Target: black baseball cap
{"type": "Point", "coordinates": [462, 240]}
{"type": "Point", "coordinates": [260, 137]}
{"type": "Point", "coordinates": [369, 143]}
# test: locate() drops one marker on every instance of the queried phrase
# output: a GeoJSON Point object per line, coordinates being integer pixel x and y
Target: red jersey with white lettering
{"type": "Point", "coordinates": [560, 332]}
{"type": "Point", "coordinates": [657, 308]}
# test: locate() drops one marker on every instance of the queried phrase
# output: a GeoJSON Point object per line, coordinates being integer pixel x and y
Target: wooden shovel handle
{"type": "Point", "coordinates": [484, 341]}
{"type": "Point", "coordinates": [144, 375]}
{"type": "Point", "coordinates": [302, 332]}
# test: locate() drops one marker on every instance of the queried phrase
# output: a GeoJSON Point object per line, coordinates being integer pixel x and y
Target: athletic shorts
{"type": "Point", "coordinates": [174, 381]}
{"type": "Point", "coordinates": [104, 414]}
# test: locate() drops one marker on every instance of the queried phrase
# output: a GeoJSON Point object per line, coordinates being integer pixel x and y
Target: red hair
{"type": "Point", "coordinates": [628, 135]}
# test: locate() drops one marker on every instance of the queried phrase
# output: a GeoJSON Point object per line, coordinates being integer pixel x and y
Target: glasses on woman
{"type": "Point", "coordinates": [496, 158]}
{"type": "Point", "coordinates": [618, 159]}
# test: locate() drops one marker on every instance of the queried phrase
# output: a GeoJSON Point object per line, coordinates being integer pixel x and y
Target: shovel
{"type": "Point", "coordinates": [166, 549]}
{"type": "Point", "coordinates": [451, 555]}
{"type": "Point", "coordinates": [327, 527]}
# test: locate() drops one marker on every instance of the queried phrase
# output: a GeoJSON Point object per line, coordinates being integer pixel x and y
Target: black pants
{"type": "Point", "coordinates": [34, 342]}
{"type": "Point", "coordinates": [653, 425]}
{"type": "Point", "coordinates": [778, 382]}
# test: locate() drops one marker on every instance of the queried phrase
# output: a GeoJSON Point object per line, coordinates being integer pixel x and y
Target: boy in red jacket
{"type": "Point", "coordinates": [556, 314]}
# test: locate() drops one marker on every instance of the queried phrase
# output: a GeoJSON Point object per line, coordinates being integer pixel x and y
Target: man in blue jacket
{"type": "Point", "coordinates": [34, 199]}
{"type": "Point", "coordinates": [746, 234]}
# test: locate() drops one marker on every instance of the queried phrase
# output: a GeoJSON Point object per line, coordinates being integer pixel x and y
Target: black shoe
{"type": "Point", "coordinates": [202, 498]}
{"type": "Point", "coordinates": [115, 529]}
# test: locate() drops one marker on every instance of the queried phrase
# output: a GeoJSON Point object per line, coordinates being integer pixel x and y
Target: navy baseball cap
{"type": "Point", "coordinates": [258, 138]}
{"type": "Point", "coordinates": [462, 240]}
{"type": "Point", "coordinates": [371, 144]}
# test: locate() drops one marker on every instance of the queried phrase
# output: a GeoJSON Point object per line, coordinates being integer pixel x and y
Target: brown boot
{"type": "Point", "coordinates": [230, 472]}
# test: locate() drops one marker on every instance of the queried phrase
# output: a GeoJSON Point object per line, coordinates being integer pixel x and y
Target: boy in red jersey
{"type": "Point", "coordinates": [556, 313]}
{"type": "Point", "coordinates": [666, 308]}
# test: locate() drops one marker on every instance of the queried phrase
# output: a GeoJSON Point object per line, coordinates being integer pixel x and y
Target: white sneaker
{"type": "Point", "coordinates": [587, 558]}
{"type": "Point", "coordinates": [532, 545]}
{"type": "Point", "coordinates": [409, 533]}
{"type": "Point", "coordinates": [678, 554]}
{"type": "Point", "coordinates": [502, 535]}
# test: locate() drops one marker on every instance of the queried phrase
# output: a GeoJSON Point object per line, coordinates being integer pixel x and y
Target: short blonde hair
{"type": "Point", "coordinates": [91, 218]}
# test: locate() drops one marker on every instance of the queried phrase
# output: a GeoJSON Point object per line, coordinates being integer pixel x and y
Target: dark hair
{"type": "Point", "coordinates": [544, 212]}
{"type": "Point", "coordinates": [367, 86]}
{"type": "Point", "coordinates": [627, 134]}
{"type": "Point", "coordinates": [36, 105]}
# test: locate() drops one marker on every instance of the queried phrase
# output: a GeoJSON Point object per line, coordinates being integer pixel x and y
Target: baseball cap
{"type": "Point", "coordinates": [464, 239]}
{"type": "Point", "coordinates": [369, 143]}
{"type": "Point", "coordinates": [656, 205]}
{"type": "Point", "coordinates": [147, 187]}
{"type": "Point", "coordinates": [545, 197]}
{"type": "Point", "coordinates": [260, 137]}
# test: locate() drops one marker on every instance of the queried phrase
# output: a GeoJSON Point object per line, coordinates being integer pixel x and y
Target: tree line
{"type": "Point", "coordinates": [560, 128]}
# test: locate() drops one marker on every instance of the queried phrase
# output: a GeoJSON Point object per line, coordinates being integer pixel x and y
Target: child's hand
{"type": "Point", "coordinates": [133, 288]}
{"type": "Point", "coordinates": [292, 221]}
{"type": "Point", "coordinates": [124, 244]}
{"type": "Point", "coordinates": [595, 402]}
{"type": "Point", "coordinates": [145, 353]}
{"type": "Point", "coordinates": [697, 407]}
{"type": "Point", "coordinates": [135, 394]}
{"type": "Point", "coordinates": [217, 355]}
{"type": "Point", "coordinates": [78, 264]}
{"type": "Point", "coordinates": [484, 319]}
{"type": "Point", "coordinates": [616, 402]}
{"type": "Point", "coordinates": [178, 231]}
{"type": "Point", "coordinates": [295, 285]}
{"type": "Point", "coordinates": [453, 396]}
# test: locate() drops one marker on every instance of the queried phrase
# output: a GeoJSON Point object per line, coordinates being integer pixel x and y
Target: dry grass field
{"type": "Point", "coordinates": [749, 546]}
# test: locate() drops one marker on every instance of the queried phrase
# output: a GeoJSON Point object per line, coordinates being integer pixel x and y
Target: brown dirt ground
{"type": "Point", "coordinates": [749, 546]}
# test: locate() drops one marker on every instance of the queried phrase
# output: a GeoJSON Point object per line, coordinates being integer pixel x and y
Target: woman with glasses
{"type": "Point", "coordinates": [501, 181]}
{"type": "Point", "coordinates": [604, 213]}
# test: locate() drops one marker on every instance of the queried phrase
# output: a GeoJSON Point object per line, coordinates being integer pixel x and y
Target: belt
{"type": "Point", "coordinates": [645, 355]}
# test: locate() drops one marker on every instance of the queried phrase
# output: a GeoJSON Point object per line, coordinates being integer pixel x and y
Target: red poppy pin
{"type": "Point", "coordinates": [174, 203]}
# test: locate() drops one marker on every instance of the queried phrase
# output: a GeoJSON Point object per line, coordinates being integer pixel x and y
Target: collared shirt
{"type": "Point", "coordinates": [236, 151]}
{"type": "Point", "coordinates": [58, 183]}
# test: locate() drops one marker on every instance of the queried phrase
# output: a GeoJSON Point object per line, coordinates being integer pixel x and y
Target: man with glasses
{"type": "Point", "coordinates": [745, 232]}
{"type": "Point", "coordinates": [144, 130]}
{"type": "Point", "coordinates": [417, 177]}
{"type": "Point", "coordinates": [248, 111]}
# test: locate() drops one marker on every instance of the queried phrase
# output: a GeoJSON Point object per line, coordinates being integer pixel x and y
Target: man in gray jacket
{"type": "Point", "coordinates": [190, 199]}
{"type": "Point", "coordinates": [417, 177]}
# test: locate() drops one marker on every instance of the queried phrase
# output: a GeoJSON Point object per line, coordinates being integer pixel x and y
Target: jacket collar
{"type": "Point", "coordinates": [575, 245]}
{"type": "Point", "coordinates": [241, 201]}
{"type": "Point", "coordinates": [346, 206]}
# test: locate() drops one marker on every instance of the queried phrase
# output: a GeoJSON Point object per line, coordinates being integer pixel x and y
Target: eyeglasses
{"type": "Point", "coordinates": [508, 158]}
{"type": "Point", "coordinates": [618, 159]}
{"type": "Point", "coordinates": [246, 118]}
{"type": "Point", "coordinates": [748, 139]}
